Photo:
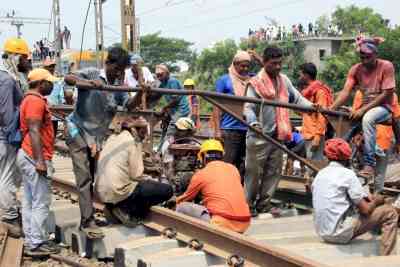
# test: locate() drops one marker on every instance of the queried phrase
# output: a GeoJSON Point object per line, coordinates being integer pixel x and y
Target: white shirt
{"type": "Point", "coordinates": [132, 82]}
{"type": "Point", "coordinates": [336, 191]}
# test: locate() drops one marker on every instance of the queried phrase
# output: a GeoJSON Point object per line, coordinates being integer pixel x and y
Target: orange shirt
{"type": "Point", "coordinates": [372, 83]}
{"type": "Point", "coordinates": [384, 133]}
{"type": "Point", "coordinates": [223, 195]}
{"type": "Point", "coordinates": [34, 106]}
{"type": "Point", "coordinates": [315, 123]}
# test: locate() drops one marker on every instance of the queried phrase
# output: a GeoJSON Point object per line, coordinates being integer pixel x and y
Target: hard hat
{"type": "Point", "coordinates": [210, 145]}
{"type": "Point", "coordinates": [184, 124]}
{"type": "Point", "coordinates": [40, 74]}
{"type": "Point", "coordinates": [16, 46]}
{"type": "Point", "coordinates": [189, 82]}
{"type": "Point", "coordinates": [135, 58]}
{"type": "Point", "coordinates": [48, 62]}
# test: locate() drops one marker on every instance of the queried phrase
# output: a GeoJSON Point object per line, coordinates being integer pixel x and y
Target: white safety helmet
{"type": "Point", "coordinates": [184, 124]}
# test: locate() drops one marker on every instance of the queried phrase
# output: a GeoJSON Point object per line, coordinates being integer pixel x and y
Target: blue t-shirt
{"type": "Point", "coordinates": [224, 85]}
{"type": "Point", "coordinates": [183, 108]}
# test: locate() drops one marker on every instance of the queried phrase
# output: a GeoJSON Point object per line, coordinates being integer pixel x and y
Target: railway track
{"type": "Point", "coordinates": [167, 239]}
{"type": "Point", "coordinates": [11, 249]}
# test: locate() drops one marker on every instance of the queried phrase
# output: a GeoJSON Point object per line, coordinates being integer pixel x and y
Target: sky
{"type": "Point", "coordinates": [202, 22]}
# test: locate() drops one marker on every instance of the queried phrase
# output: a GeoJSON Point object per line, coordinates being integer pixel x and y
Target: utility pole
{"type": "Point", "coordinates": [18, 22]}
{"type": "Point", "coordinates": [129, 28]}
{"type": "Point", "coordinates": [98, 16]}
{"type": "Point", "coordinates": [57, 33]}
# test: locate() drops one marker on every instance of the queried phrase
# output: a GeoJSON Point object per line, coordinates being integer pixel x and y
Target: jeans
{"type": "Point", "coordinates": [146, 194]}
{"type": "Point", "coordinates": [84, 166]}
{"type": "Point", "coordinates": [373, 117]}
{"type": "Point", "coordinates": [381, 167]}
{"type": "Point", "coordinates": [235, 148]}
{"type": "Point", "coordinates": [317, 154]}
{"type": "Point", "coordinates": [263, 171]}
{"type": "Point", "coordinates": [35, 202]}
{"type": "Point", "coordinates": [9, 181]}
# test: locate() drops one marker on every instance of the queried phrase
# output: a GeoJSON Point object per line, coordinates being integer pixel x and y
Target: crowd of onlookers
{"type": "Point", "coordinates": [43, 48]}
{"type": "Point", "coordinates": [296, 31]}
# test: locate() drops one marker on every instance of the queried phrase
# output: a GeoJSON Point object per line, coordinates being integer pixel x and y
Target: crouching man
{"type": "Point", "coordinates": [119, 178]}
{"type": "Point", "coordinates": [337, 192]}
{"type": "Point", "coordinates": [222, 193]}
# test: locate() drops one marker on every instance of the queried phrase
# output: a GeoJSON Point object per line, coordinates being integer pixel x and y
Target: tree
{"type": "Point", "coordinates": [322, 24]}
{"type": "Point", "coordinates": [351, 20]}
{"type": "Point", "coordinates": [156, 49]}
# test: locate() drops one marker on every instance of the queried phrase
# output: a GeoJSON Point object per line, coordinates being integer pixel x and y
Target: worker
{"type": "Point", "coordinates": [385, 142]}
{"type": "Point", "coordinates": [11, 94]}
{"type": "Point", "coordinates": [34, 163]}
{"type": "Point", "coordinates": [132, 73]}
{"type": "Point", "coordinates": [231, 131]}
{"type": "Point", "coordinates": [119, 177]}
{"type": "Point", "coordinates": [342, 209]}
{"type": "Point", "coordinates": [179, 169]}
{"type": "Point", "coordinates": [57, 94]}
{"type": "Point", "coordinates": [219, 184]}
{"type": "Point", "coordinates": [194, 102]}
{"type": "Point", "coordinates": [88, 127]}
{"type": "Point", "coordinates": [375, 77]}
{"type": "Point", "coordinates": [264, 160]}
{"type": "Point", "coordinates": [176, 107]}
{"type": "Point", "coordinates": [314, 124]}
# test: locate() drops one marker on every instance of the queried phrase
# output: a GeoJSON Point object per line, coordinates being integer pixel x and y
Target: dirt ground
{"type": "Point", "coordinates": [29, 262]}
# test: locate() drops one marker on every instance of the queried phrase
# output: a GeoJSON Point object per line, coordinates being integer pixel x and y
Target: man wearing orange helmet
{"type": "Point", "coordinates": [15, 59]}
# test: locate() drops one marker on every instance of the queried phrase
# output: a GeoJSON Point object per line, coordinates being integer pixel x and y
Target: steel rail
{"type": "Point", "coordinates": [241, 99]}
{"type": "Point", "coordinates": [214, 240]}
{"type": "Point", "coordinates": [67, 261]}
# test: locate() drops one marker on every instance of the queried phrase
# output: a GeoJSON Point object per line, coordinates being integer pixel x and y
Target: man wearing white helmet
{"type": "Point", "coordinates": [15, 61]}
{"type": "Point", "coordinates": [177, 169]}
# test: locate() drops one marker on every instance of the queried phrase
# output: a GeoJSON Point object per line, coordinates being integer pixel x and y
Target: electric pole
{"type": "Point", "coordinates": [18, 22]}
{"type": "Point", "coordinates": [58, 38]}
{"type": "Point", "coordinates": [129, 26]}
{"type": "Point", "coordinates": [98, 16]}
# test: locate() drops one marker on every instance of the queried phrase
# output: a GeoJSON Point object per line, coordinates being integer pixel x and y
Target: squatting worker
{"type": "Point", "coordinates": [376, 79]}
{"type": "Point", "coordinates": [222, 193]}
{"type": "Point", "coordinates": [34, 162]}
{"type": "Point", "coordinates": [88, 126]}
{"type": "Point", "coordinates": [232, 131]}
{"type": "Point", "coordinates": [119, 177]}
{"type": "Point", "coordinates": [264, 160]}
{"type": "Point", "coordinates": [15, 56]}
{"type": "Point", "coordinates": [342, 209]}
{"type": "Point", "coordinates": [314, 124]}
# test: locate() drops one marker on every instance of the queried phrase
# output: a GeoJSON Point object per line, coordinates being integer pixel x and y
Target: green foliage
{"type": "Point", "coordinates": [322, 24]}
{"type": "Point", "coordinates": [351, 20]}
{"type": "Point", "coordinates": [156, 49]}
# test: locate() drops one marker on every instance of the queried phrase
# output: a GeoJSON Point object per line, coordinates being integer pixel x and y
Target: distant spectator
{"type": "Point", "coordinates": [310, 28]}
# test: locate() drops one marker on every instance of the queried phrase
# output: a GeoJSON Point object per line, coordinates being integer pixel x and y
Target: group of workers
{"type": "Point", "coordinates": [238, 171]}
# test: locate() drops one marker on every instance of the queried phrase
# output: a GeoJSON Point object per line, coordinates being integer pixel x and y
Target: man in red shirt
{"type": "Point", "coordinates": [376, 80]}
{"type": "Point", "coordinates": [222, 193]}
{"type": "Point", "coordinates": [34, 162]}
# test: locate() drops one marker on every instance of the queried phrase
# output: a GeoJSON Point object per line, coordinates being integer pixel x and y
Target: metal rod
{"type": "Point", "coordinates": [67, 261]}
{"type": "Point", "coordinates": [266, 137]}
{"type": "Point", "coordinates": [242, 99]}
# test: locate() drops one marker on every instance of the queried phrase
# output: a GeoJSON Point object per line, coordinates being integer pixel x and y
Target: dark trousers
{"type": "Point", "coordinates": [146, 194]}
{"type": "Point", "coordinates": [235, 148]}
{"type": "Point", "coordinates": [84, 167]}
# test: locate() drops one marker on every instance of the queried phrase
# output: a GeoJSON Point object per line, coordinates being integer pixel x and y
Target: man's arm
{"type": "Point", "coordinates": [367, 205]}
{"type": "Point", "coordinates": [34, 126]}
{"type": "Point", "coordinates": [250, 109]}
{"type": "Point", "coordinates": [192, 190]}
{"type": "Point", "coordinates": [346, 92]}
{"type": "Point", "coordinates": [296, 98]}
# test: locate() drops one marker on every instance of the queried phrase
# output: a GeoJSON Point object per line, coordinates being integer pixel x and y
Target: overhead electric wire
{"type": "Point", "coordinates": [218, 20]}
{"type": "Point", "coordinates": [83, 32]}
{"type": "Point", "coordinates": [166, 5]}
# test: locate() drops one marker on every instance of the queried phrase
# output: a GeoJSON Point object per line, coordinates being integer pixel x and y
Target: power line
{"type": "Point", "coordinates": [166, 5]}
{"type": "Point", "coordinates": [83, 31]}
{"type": "Point", "coordinates": [218, 20]}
